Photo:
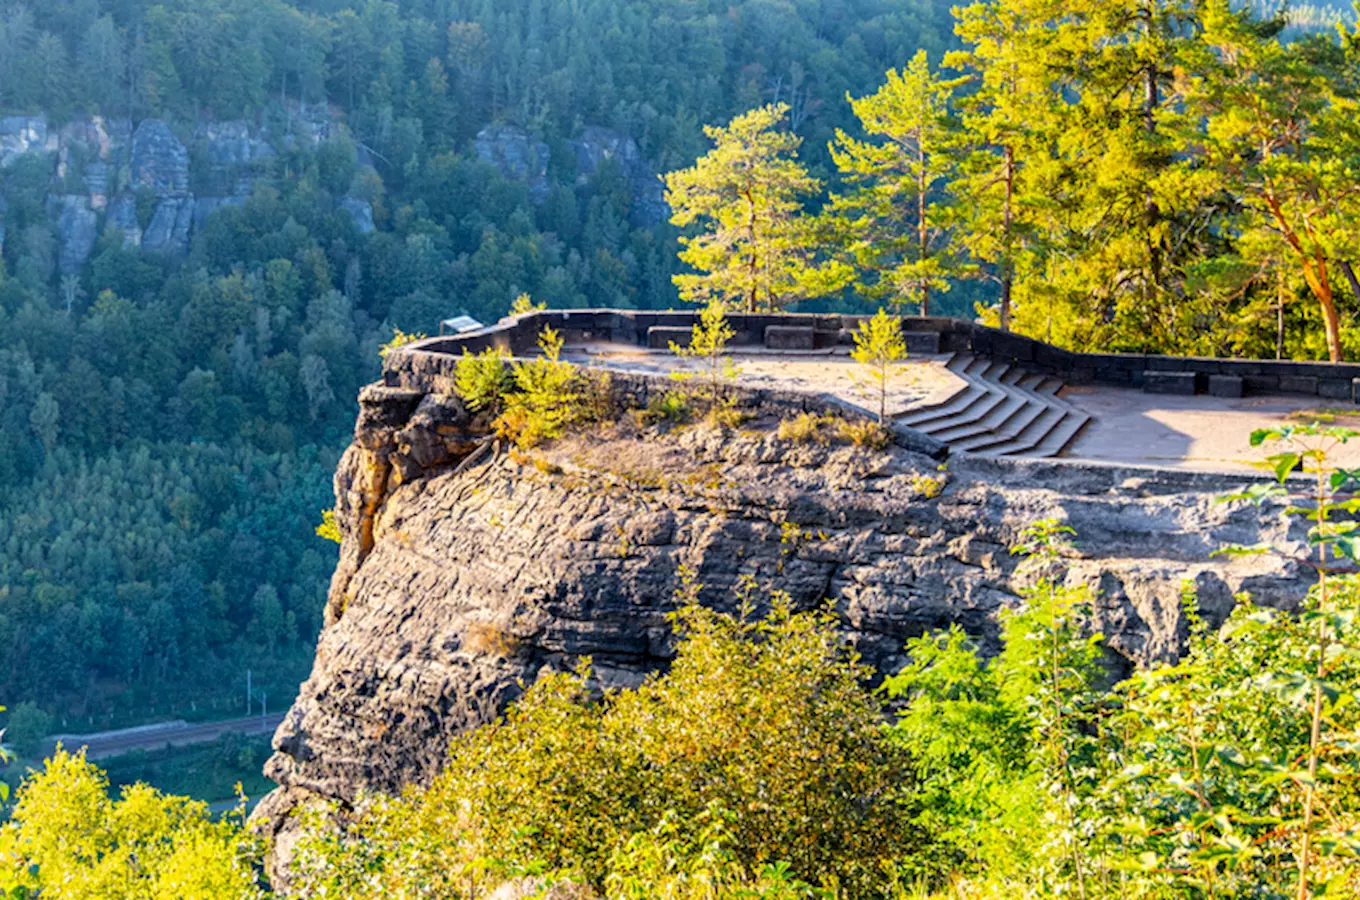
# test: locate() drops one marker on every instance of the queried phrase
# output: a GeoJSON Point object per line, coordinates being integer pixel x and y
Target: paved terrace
{"type": "Point", "coordinates": [983, 391]}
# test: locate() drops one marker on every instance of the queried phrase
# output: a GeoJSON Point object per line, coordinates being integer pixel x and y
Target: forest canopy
{"type": "Point", "coordinates": [1083, 172]}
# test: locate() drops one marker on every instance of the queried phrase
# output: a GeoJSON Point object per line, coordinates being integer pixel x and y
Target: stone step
{"type": "Point", "coordinates": [992, 395]}
{"type": "Point", "coordinates": [1062, 436]}
{"type": "Point", "coordinates": [1009, 432]}
{"type": "Point", "coordinates": [1030, 437]}
{"type": "Point", "coordinates": [960, 401]}
{"type": "Point", "coordinates": [982, 403]}
{"type": "Point", "coordinates": [1007, 409]}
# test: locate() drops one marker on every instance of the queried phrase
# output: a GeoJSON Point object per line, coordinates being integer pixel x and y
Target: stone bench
{"type": "Point", "coordinates": [1225, 386]}
{"type": "Point", "coordinates": [660, 337]}
{"type": "Point", "coordinates": [922, 342]}
{"type": "Point", "coordinates": [1156, 382]}
{"type": "Point", "coordinates": [790, 337]}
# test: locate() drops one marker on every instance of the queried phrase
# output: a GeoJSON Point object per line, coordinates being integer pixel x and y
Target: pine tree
{"type": "Point", "coordinates": [1281, 139]}
{"type": "Point", "coordinates": [758, 250]}
{"type": "Point", "coordinates": [894, 226]}
{"type": "Point", "coordinates": [1005, 116]}
{"type": "Point", "coordinates": [879, 346]}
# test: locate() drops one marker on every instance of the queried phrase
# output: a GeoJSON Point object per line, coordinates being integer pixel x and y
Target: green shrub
{"type": "Point", "coordinates": [865, 433]}
{"type": "Point", "coordinates": [68, 840]}
{"type": "Point", "coordinates": [546, 399]}
{"type": "Point", "coordinates": [671, 406]}
{"type": "Point", "coordinates": [760, 754]}
{"type": "Point", "coordinates": [482, 380]}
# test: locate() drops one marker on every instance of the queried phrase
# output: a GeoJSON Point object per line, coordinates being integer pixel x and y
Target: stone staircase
{"type": "Point", "coordinates": [1000, 410]}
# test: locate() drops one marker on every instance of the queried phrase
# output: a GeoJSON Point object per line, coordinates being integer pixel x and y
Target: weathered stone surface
{"type": "Point", "coordinates": [168, 230]}
{"type": "Point", "coordinates": [122, 214]}
{"type": "Point", "coordinates": [660, 337]}
{"type": "Point", "coordinates": [1225, 386]}
{"type": "Point", "coordinates": [77, 228]}
{"type": "Point", "coordinates": [595, 146]}
{"type": "Point", "coordinates": [466, 573]}
{"type": "Point", "coordinates": [20, 135]}
{"type": "Point", "coordinates": [160, 161]}
{"type": "Point", "coordinates": [789, 337]}
{"type": "Point", "coordinates": [1157, 382]}
{"type": "Point", "coordinates": [361, 211]}
{"type": "Point", "coordinates": [206, 206]}
{"type": "Point", "coordinates": [517, 155]}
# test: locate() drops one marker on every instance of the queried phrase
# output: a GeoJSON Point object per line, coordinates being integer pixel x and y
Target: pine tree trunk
{"type": "Point", "coordinates": [1007, 224]}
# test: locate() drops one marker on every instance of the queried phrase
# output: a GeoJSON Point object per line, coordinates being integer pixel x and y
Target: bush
{"type": "Point", "coordinates": [759, 755]}
{"type": "Point", "coordinates": [672, 407]}
{"type": "Point", "coordinates": [865, 433]}
{"type": "Point", "coordinates": [482, 380]}
{"type": "Point", "coordinates": [805, 428]}
{"type": "Point", "coordinates": [546, 400]}
{"type": "Point", "coordinates": [68, 840]}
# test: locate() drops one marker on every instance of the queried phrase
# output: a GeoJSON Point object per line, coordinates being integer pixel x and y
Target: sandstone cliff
{"type": "Point", "coordinates": [466, 571]}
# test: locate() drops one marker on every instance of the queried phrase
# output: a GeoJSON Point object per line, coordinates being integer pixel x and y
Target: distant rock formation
{"type": "Point", "coordinates": [517, 156]}
{"type": "Point", "coordinates": [100, 166]}
{"type": "Point", "coordinates": [521, 157]}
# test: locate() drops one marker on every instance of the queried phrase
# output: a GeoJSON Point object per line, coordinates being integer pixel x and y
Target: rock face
{"type": "Point", "coordinates": [465, 573]}
{"type": "Point", "coordinates": [100, 165]}
{"type": "Point", "coordinates": [520, 157]}
{"type": "Point", "coordinates": [77, 228]}
{"type": "Point", "coordinates": [516, 155]}
{"type": "Point", "coordinates": [20, 135]}
{"type": "Point", "coordinates": [160, 161]}
{"type": "Point", "coordinates": [597, 145]}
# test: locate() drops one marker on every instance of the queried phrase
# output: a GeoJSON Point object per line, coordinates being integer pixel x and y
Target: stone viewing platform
{"type": "Point", "coordinates": [965, 388]}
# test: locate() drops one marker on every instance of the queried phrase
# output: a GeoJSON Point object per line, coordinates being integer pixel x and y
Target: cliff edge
{"type": "Point", "coordinates": [468, 569]}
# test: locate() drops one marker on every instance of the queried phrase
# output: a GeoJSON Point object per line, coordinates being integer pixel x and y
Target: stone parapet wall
{"type": "Point", "coordinates": [1328, 381]}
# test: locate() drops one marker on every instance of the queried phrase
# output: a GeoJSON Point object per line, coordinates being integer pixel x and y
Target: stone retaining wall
{"type": "Point", "coordinates": [1327, 381]}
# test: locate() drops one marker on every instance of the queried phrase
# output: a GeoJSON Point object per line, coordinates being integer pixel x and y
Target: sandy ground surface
{"type": "Point", "coordinates": [1206, 433]}
{"type": "Point", "coordinates": [919, 381]}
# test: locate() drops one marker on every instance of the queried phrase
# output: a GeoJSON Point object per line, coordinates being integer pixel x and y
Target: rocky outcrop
{"type": "Point", "coordinates": [160, 161]}
{"type": "Point", "coordinates": [99, 166]}
{"type": "Point", "coordinates": [521, 157]}
{"type": "Point", "coordinates": [77, 227]}
{"type": "Point", "coordinates": [595, 146]}
{"type": "Point", "coordinates": [467, 571]}
{"type": "Point", "coordinates": [517, 155]}
{"type": "Point", "coordinates": [20, 135]}
{"type": "Point", "coordinates": [361, 211]}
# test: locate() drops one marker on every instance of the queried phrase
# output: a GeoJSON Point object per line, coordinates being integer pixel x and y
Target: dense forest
{"type": "Point", "coordinates": [169, 421]}
{"type": "Point", "coordinates": [168, 418]}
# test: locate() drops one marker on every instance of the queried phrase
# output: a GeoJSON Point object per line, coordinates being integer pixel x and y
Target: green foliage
{"type": "Point", "coordinates": [671, 406]}
{"type": "Point", "coordinates": [708, 346]}
{"type": "Point", "coordinates": [524, 304]}
{"type": "Point", "coordinates": [545, 400]}
{"type": "Point", "coordinates": [756, 251]}
{"type": "Point", "coordinates": [879, 345]}
{"type": "Point", "coordinates": [27, 726]}
{"type": "Point", "coordinates": [328, 529]}
{"type": "Point", "coordinates": [483, 379]}
{"type": "Point", "coordinates": [399, 339]}
{"type": "Point", "coordinates": [789, 772]}
{"type": "Point", "coordinates": [899, 255]}
{"type": "Point", "coordinates": [67, 839]}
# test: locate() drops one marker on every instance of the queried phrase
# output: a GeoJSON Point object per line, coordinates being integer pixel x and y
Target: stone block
{"type": "Point", "coordinates": [1334, 389]}
{"type": "Point", "coordinates": [1225, 386]}
{"type": "Point", "coordinates": [1355, 390]}
{"type": "Point", "coordinates": [1298, 384]}
{"type": "Point", "coordinates": [790, 337]}
{"type": "Point", "coordinates": [1155, 382]}
{"type": "Point", "coordinates": [659, 337]}
{"type": "Point", "coordinates": [922, 341]}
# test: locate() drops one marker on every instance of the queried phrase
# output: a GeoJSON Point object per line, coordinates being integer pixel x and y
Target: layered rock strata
{"type": "Point", "coordinates": [467, 570]}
